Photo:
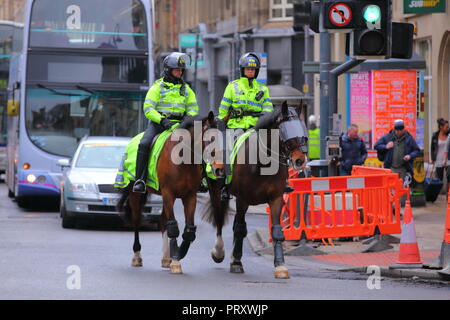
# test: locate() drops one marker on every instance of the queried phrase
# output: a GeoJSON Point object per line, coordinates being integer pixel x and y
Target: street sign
{"type": "Point", "coordinates": [415, 6]}
{"type": "Point", "coordinates": [340, 14]}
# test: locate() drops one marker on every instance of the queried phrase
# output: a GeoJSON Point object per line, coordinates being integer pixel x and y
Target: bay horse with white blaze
{"type": "Point", "coordinates": [250, 187]}
{"type": "Point", "coordinates": [176, 181]}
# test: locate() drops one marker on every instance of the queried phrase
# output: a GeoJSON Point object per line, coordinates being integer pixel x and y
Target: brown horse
{"type": "Point", "coordinates": [177, 180]}
{"type": "Point", "coordinates": [251, 187]}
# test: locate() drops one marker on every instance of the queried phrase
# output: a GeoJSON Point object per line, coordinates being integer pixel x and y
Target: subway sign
{"type": "Point", "coordinates": [424, 6]}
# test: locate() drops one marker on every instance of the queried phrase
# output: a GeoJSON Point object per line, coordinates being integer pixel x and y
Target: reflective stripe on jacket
{"type": "Point", "coordinates": [240, 97]}
{"type": "Point", "coordinates": [164, 100]}
{"type": "Point", "coordinates": [314, 143]}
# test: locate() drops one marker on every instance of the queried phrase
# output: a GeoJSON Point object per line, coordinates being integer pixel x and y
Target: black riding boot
{"type": "Point", "coordinates": [143, 154]}
{"type": "Point", "coordinates": [141, 172]}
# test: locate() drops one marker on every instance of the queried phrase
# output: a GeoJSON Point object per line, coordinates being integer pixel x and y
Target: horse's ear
{"type": "Point", "coordinates": [285, 109]}
{"type": "Point", "coordinates": [211, 117]}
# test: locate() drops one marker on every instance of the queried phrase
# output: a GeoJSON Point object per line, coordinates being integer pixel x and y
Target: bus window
{"type": "Point", "coordinates": [86, 24]}
{"type": "Point", "coordinates": [54, 117]}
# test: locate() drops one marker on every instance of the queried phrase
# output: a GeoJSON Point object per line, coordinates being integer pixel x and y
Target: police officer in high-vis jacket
{"type": "Point", "coordinates": [169, 101]}
{"type": "Point", "coordinates": [244, 101]}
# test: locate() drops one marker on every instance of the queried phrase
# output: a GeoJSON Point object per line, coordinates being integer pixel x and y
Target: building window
{"type": "Point", "coordinates": [281, 9]}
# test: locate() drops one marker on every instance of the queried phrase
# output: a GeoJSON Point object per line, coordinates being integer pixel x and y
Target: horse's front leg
{"type": "Point", "coordinates": [172, 232]}
{"type": "Point", "coordinates": [239, 233]}
{"type": "Point", "coordinates": [189, 204]}
{"type": "Point", "coordinates": [165, 261]}
{"type": "Point", "coordinates": [281, 272]}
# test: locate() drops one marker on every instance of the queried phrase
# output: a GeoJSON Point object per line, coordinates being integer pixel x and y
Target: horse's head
{"type": "Point", "coordinates": [293, 135]}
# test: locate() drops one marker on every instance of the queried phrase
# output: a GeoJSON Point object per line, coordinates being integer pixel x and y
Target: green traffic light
{"type": "Point", "coordinates": [372, 13]}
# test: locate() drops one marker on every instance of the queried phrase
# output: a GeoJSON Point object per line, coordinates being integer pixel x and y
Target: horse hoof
{"type": "Point", "coordinates": [175, 267]}
{"type": "Point", "coordinates": [236, 268]}
{"type": "Point", "coordinates": [165, 263]}
{"type": "Point", "coordinates": [216, 259]}
{"type": "Point", "coordinates": [281, 272]}
{"type": "Point", "coordinates": [137, 262]}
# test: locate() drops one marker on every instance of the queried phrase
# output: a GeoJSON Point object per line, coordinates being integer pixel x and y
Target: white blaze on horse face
{"type": "Point", "coordinates": [181, 152]}
{"type": "Point", "coordinates": [264, 158]}
{"type": "Point", "coordinates": [212, 153]}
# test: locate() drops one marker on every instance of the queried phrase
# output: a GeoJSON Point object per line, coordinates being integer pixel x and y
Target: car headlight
{"type": "Point", "coordinates": [82, 187]}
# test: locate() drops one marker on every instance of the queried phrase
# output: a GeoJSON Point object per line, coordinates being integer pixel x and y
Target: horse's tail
{"type": "Point", "coordinates": [215, 210]}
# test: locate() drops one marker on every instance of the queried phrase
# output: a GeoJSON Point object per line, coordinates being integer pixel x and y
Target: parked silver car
{"type": "Point", "coordinates": [87, 186]}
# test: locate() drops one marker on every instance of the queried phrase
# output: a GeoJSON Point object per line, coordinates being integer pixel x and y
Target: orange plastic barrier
{"type": "Point", "coordinates": [360, 171]}
{"type": "Point", "coordinates": [334, 207]}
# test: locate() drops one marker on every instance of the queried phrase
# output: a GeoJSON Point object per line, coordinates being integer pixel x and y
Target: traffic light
{"type": "Point", "coordinates": [306, 12]}
{"type": "Point", "coordinates": [402, 40]}
{"type": "Point", "coordinates": [372, 28]}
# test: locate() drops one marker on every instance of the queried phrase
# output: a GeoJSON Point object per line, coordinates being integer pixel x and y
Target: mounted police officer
{"type": "Point", "coordinates": [244, 101]}
{"type": "Point", "coordinates": [168, 102]}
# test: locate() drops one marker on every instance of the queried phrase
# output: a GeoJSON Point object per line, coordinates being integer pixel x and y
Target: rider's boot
{"type": "Point", "coordinates": [203, 188]}
{"type": "Point", "coordinates": [141, 172]}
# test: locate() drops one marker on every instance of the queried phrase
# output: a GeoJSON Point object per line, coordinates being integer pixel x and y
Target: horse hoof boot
{"type": "Point", "coordinates": [137, 261]}
{"type": "Point", "coordinates": [236, 268]}
{"type": "Point", "coordinates": [281, 272]}
{"type": "Point", "coordinates": [165, 263]}
{"type": "Point", "coordinates": [175, 267]}
{"type": "Point", "coordinates": [217, 259]}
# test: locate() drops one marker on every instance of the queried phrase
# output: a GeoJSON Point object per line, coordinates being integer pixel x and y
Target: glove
{"type": "Point", "coordinates": [166, 124]}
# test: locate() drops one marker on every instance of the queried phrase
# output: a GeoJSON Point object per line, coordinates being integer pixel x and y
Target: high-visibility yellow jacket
{"type": "Point", "coordinates": [240, 97]}
{"type": "Point", "coordinates": [164, 100]}
{"type": "Point", "coordinates": [314, 143]}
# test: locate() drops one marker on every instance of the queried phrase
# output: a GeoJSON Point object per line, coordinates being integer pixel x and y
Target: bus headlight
{"type": "Point", "coordinates": [31, 178]}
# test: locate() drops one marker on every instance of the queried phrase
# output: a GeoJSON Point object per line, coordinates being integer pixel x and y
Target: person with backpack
{"type": "Point", "coordinates": [399, 149]}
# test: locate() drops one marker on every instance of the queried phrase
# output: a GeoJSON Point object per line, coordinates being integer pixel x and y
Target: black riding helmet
{"type": "Point", "coordinates": [175, 60]}
{"type": "Point", "coordinates": [250, 60]}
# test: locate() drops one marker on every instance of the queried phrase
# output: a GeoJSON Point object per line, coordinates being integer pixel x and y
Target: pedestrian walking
{"type": "Point", "coordinates": [313, 139]}
{"type": "Point", "coordinates": [439, 149]}
{"type": "Point", "coordinates": [400, 149]}
{"type": "Point", "coordinates": [354, 151]}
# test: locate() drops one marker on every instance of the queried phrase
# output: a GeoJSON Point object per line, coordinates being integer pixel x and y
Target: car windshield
{"type": "Point", "coordinates": [97, 155]}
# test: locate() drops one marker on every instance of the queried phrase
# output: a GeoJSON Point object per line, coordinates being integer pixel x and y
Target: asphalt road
{"type": "Point", "coordinates": [41, 260]}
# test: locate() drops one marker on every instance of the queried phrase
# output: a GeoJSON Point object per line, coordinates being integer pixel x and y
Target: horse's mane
{"type": "Point", "coordinates": [266, 121]}
{"type": "Point", "coordinates": [188, 123]}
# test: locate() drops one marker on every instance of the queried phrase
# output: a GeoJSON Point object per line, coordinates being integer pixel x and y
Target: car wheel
{"type": "Point", "coordinates": [67, 222]}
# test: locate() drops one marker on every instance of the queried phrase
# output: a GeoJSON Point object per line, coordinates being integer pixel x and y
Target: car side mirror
{"type": "Point", "coordinates": [63, 163]}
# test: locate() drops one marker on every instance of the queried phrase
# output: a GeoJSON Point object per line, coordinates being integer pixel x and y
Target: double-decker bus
{"type": "Point", "coordinates": [6, 30]}
{"type": "Point", "coordinates": [78, 67]}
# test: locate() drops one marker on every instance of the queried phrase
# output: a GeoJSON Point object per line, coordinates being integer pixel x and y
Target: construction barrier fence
{"type": "Point", "coordinates": [364, 204]}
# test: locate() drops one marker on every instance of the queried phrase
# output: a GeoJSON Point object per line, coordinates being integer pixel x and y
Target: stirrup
{"type": "Point", "coordinates": [203, 188]}
{"type": "Point", "coordinates": [139, 186]}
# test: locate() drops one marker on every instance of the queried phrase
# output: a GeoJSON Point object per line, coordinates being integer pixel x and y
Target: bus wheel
{"type": "Point", "coordinates": [22, 202]}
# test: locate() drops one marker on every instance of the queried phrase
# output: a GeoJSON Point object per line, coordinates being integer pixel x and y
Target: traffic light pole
{"type": "Point", "coordinates": [325, 64]}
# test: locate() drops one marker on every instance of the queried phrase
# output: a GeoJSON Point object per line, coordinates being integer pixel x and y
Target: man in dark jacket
{"type": "Point", "coordinates": [354, 151]}
{"type": "Point", "coordinates": [400, 149]}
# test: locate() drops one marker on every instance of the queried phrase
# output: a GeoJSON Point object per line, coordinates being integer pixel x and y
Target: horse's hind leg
{"type": "Point", "coordinates": [134, 203]}
{"type": "Point", "coordinates": [239, 233]}
{"type": "Point", "coordinates": [281, 272]}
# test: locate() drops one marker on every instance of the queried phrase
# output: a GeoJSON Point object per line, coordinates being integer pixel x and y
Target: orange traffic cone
{"type": "Point", "coordinates": [444, 257]}
{"type": "Point", "coordinates": [409, 256]}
